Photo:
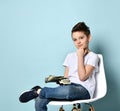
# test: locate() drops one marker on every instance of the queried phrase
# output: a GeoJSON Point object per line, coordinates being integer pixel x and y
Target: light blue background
{"type": "Point", "coordinates": [35, 38]}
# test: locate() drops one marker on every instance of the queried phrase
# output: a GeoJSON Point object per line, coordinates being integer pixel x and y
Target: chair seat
{"type": "Point", "coordinates": [72, 102]}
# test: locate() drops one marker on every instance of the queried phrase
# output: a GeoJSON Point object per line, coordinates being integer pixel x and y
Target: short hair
{"type": "Point", "coordinates": [81, 26]}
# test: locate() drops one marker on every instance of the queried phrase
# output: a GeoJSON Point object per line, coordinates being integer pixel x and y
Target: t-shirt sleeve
{"type": "Point", "coordinates": [93, 60]}
{"type": "Point", "coordinates": [66, 61]}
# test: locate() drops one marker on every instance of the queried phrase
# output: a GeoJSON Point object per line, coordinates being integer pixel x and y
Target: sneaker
{"type": "Point", "coordinates": [29, 95]}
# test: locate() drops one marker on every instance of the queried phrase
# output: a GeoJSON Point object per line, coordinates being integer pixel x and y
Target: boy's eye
{"type": "Point", "coordinates": [74, 39]}
{"type": "Point", "coordinates": [81, 37]}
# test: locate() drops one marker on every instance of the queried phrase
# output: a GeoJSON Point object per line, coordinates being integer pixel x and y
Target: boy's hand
{"type": "Point", "coordinates": [82, 52]}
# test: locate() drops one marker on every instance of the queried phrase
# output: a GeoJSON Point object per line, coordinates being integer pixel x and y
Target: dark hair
{"type": "Point", "coordinates": [81, 26]}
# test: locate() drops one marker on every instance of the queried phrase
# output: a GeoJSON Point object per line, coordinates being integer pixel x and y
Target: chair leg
{"type": "Point", "coordinates": [91, 108]}
{"type": "Point", "coordinates": [79, 107]}
{"type": "Point", "coordinates": [61, 108]}
{"type": "Point", "coordinates": [76, 107]}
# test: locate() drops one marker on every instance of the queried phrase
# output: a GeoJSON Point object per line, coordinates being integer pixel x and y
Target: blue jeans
{"type": "Point", "coordinates": [64, 92]}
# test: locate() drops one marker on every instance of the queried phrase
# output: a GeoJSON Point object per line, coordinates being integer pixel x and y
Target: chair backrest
{"type": "Point", "coordinates": [101, 87]}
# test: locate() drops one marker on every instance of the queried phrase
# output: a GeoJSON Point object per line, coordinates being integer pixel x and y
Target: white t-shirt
{"type": "Point", "coordinates": [71, 62]}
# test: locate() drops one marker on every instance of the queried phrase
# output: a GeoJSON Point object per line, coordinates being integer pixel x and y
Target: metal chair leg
{"type": "Point", "coordinates": [91, 108]}
{"type": "Point", "coordinates": [74, 108]}
{"type": "Point", "coordinates": [61, 108]}
{"type": "Point", "coordinates": [79, 107]}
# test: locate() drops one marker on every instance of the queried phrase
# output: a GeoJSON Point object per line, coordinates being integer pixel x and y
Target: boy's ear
{"type": "Point", "coordinates": [89, 38]}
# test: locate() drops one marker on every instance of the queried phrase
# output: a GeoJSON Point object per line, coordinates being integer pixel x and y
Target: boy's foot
{"type": "Point", "coordinates": [29, 95]}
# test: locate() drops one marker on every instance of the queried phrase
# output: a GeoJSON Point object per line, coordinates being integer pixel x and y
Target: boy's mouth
{"type": "Point", "coordinates": [79, 45]}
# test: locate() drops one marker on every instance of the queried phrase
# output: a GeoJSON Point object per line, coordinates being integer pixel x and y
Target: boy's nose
{"type": "Point", "coordinates": [78, 41]}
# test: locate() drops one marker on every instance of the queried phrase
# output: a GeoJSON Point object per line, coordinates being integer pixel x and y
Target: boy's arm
{"type": "Point", "coordinates": [83, 71]}
{"type": "Point", "coordinates": [66, 72]}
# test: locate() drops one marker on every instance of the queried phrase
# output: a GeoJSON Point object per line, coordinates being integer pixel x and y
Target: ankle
{"type": "Point", "coordinates": [38, 91]}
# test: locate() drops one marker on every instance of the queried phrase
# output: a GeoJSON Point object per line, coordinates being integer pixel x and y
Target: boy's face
{"type": "Point", "coordinates": [80, 39]}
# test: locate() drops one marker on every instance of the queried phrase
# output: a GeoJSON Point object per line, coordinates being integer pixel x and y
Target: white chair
{"type": "Point", "coordinates": [100, 92]}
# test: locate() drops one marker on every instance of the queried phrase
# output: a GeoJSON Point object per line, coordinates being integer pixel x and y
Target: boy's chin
{"type": "Point", "coordinates": [80, 48]}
